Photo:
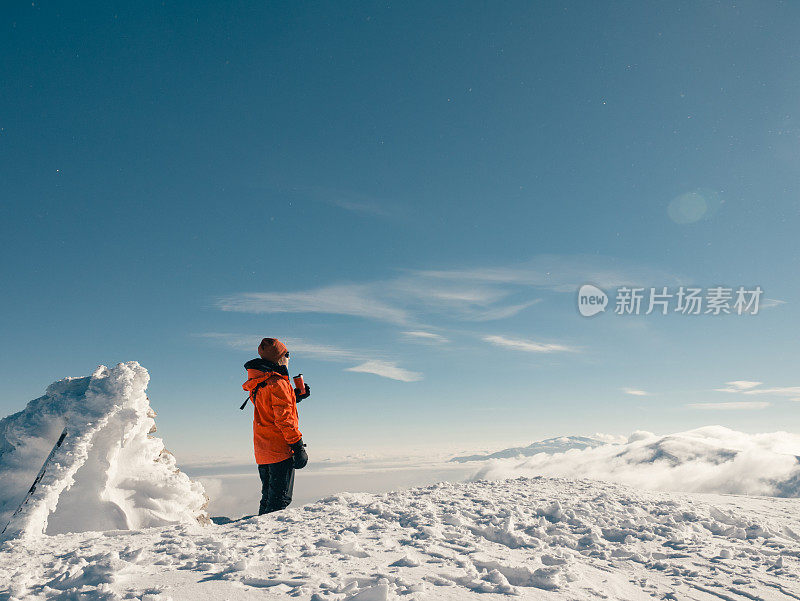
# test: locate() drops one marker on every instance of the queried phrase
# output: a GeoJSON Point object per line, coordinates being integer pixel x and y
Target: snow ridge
{"type": "Point", "coordinates": [109, 473]}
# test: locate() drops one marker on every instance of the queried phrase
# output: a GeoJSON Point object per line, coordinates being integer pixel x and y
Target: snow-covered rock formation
{"type": "Point", "coordinates": [109, 472]}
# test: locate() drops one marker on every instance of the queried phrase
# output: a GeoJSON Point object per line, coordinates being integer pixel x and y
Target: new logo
{"type": "Point", "coordinates": [591, 300]}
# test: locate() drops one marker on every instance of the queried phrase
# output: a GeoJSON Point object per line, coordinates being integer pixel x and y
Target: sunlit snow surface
{"type": "Point", "coordinates": [531, 538]}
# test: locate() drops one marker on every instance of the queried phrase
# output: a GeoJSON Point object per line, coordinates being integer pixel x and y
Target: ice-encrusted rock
{"type": "Point", "coordinates": [109, 473]}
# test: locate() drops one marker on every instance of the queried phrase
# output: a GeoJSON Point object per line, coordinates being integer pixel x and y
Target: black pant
{"type": "Point", "coordinates": [277, 484]}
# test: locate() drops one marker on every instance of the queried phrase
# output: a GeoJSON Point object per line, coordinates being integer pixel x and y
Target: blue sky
{"type": "Point", "coordinates": [413, 189]}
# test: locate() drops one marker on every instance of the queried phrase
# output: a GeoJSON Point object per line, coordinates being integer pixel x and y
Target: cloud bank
{"type": "Point", "coordinates": [712, 459]}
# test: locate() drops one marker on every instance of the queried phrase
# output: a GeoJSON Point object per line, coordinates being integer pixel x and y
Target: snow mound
{"type": "Point", "coordinates": [710, 459]}
{"type": "Point", "coordinates": [546, 539]}
{"type": "Point", "coordinates": [109, 472]}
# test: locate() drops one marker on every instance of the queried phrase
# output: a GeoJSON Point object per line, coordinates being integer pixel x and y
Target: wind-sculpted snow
{"type": "Point", "coordinates": [710, 459]}
{"type": "Point", "coordinates": [525, 538]}
{"type": "Point", "coordinates": [109, 473]}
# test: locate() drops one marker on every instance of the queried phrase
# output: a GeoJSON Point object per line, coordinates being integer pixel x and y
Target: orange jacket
{"type": "Point", "coordinates": [275, 423]}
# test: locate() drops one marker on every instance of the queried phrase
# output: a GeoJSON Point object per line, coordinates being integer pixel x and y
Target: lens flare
{"type": "Point", "coordinates": [693, 206]}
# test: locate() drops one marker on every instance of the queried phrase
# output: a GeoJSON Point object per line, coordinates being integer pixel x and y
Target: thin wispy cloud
{"type": "Point", "coordinates": [296, 345]}
{"type": "Point", "coordinates": [386, 369]}
{"type": "Point", "coordinates": [732, 406]}
{"type": "Point", "coordinates": [527, 346]}
{"type": "Point", "coordinates": [345, 299]}
{"type": "Point", "coordinates": [322, 352]}
{"type": "Point", "coordinates": [776, 390]}
{"type": "Point", "coordinates": [423, 336]}
{"type": "Point", "coordinates": [635, 392]}
{"type": "Point", "coordinates": [738, 386]}
{"type": "Point", "coordinates": [399, 302]}
{"type": "Point", "coordinates": [366, 207]}
{"type": "Point", "coordinates": [504, 312]}
{"type": "Point", "coordinates": [352, 201]}
{"type": "Point", "coordinates": [751, 387]}
{"type": "Point", "coordinates": [561, 273]}
{"type": "Point", "coordinates": [769, 303]}
{"type": "Point", "coordinates": [237, 341]}
{"type": "Point", "coordinates": [469, 295]}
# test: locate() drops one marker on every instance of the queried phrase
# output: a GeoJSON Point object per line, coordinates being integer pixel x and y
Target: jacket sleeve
{"type": "Point", "coordinates": [284, 413]}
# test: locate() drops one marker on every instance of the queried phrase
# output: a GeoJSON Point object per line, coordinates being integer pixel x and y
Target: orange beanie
{"type": "Point", "coordinates": [271, 349]}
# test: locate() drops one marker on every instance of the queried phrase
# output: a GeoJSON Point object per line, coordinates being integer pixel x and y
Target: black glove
{"type": "Point", "coordinates": [299, 454]}
{"type": "Point", "coordinates": [302, 395]}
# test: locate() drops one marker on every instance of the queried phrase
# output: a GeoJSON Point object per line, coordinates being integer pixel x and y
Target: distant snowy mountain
{"type": "Point", "coordinates": [550, 446]}
{"type": "Point", "coordinates": [709, 459]}
{"type": "Point", "coordinates": [109, 472]}
{"type": "Point", "coordinates": [557, 540]}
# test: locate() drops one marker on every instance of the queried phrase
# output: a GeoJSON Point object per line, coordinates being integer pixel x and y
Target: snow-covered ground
{"type": "Point", "coordinates": [534, 538]}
